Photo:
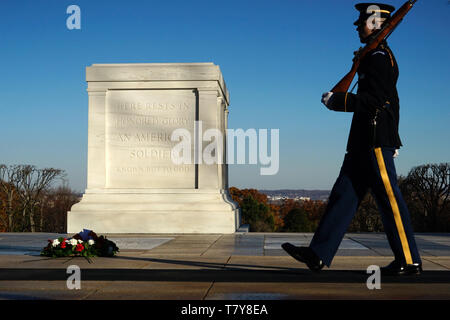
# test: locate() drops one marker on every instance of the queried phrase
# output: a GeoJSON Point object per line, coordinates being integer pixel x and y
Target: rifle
{"type": "Point", "coordinates": [374, 40]}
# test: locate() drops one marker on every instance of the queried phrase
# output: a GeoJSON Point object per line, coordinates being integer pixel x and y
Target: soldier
{"type": "Point", "coordinates": [368, 164]}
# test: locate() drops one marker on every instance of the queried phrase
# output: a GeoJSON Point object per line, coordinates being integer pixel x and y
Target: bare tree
{"type": "Point", "coordinates": [8, 181]}
{"type": "Point", "coordinates": [33, 182]}
{"type": "Point", "coordinates": [54, 210]}
{"type": "Point", "coordinates": [367, 217]}
{"type": "Point", "coordinates": [430, 185]}
{"type": "Point", "coordinates": [29, 184]}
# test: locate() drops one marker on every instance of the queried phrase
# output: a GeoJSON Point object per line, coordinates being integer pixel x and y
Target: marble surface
{"type": "Point", "coordinates": [219, 266]}
{"type": "Point", "coordinates": [133, 183]}
{"type": "Point", "coordinates": [240, 244]}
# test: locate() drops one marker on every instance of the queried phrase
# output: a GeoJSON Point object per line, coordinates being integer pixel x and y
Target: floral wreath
{"type": "Point", "coordinates": [85, 244]}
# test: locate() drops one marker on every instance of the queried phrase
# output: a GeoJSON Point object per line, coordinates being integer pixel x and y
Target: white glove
{"type": "Point", "coordinates": [326, 99]}
{"type": "Point", "coordinates": [395, 154]}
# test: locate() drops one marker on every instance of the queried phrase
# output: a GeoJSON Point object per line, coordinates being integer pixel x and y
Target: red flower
{"type": "Point", "coordinates": [79, 247]}
{"type": "Point", "coordinates": [63, 244]}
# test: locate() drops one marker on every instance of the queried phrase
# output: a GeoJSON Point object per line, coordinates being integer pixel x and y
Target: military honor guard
{"type": "Point", "coordinates": [369, 162]}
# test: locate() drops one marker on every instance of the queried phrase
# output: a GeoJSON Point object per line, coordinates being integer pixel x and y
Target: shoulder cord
{"type": "Point", "coordinates": [392, 64]}
{"type": "Point", "coordinates": [390, 54]}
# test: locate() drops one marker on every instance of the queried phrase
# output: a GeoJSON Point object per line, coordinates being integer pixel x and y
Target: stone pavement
{"type": "Point", "coordinates": [240, 266]}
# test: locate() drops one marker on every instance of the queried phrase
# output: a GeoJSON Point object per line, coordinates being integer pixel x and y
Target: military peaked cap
{"type": "Point", "coordinates": [368, 9]}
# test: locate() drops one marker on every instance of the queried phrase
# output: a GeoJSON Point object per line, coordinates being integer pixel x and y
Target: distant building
{"type": "Point", "coordinates": [280, 198]}
{"type": "Point", "coordinates": [297, 195]}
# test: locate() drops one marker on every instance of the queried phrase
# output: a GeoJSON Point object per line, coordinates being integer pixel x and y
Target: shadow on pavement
{"type": "Point", "coordinates": [224, 275]}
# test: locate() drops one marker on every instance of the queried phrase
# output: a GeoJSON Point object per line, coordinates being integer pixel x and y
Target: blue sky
{"type": "Point", "coordinates": [277, 58]}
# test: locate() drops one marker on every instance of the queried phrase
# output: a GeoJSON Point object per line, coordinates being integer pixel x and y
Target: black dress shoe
{"type": "Point", "coordinates": [396, 268]}
{"type": "Point", "coordinates": [305, 255]}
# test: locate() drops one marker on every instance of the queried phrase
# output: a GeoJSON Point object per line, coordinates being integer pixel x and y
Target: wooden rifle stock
{"type": "Point", "coordinates": [375, 39]}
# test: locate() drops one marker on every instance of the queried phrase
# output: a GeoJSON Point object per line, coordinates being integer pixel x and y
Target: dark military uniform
{"type": "Point", "coordinates": [369, 163]}
{"type": "Point", "coordinates": [376, 104]}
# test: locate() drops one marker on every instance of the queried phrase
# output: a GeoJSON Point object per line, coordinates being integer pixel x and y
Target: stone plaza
{"type": "Point", "coordinates": [178, 230]}
{"type": "Point", "coordinates": [239, 266]}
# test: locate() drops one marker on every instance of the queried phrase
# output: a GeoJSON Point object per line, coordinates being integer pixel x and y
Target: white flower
{"type": "Point", "coordinates": [55, 242]}
{"type": "Point", "coordinates": [80, 241]}
{"type": "Point", "coordinates": [91, 242]}
{"type": "Point", "coordinates": [73, 242]}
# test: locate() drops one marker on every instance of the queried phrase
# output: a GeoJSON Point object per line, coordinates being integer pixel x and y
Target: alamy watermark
{"type": "Point", "coordinates": [375, 20]}
{"type": "Point", "coordinates": [74, 279]}
{"type": "Point", "coordinates": [374, 280]}
{"type": "Point", "coordinates": [74, 20]}
{"type": "Point", "coordinates": [190, 150]}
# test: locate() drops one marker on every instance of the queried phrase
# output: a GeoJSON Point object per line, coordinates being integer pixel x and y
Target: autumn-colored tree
{"type": "Point", "coordinates": [239, 194]}
{"type": "Point", "coordinates": [287, 205]}
{"type": "Point", "coordinates": [257, 215]}
{"type": "Point", "coordinates": [297, 221]}
{"type": "Point", "coordinates": [277, 217]}
{"type": "Point", "coordinates": [314, 210]}
{"type": "Point", "coordinates": [426, 190]}
{"type": "Point", "coordinates": [256, 210]}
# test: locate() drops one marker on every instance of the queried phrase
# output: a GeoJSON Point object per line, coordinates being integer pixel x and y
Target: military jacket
{"type": "Point", "coordinates": [375, 106]}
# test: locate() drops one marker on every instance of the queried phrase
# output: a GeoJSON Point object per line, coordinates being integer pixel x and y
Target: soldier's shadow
{"type": "Point", "coordinates": [182, 269]}
{"type": "Point", "coordinates": [213, 271]}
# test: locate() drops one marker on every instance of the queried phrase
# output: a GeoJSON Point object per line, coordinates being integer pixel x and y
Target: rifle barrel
{"type": "Point", "coordinates": [385, 31]}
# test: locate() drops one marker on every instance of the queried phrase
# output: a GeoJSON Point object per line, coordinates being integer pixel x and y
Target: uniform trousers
{"type": "Point", "coordinates": [361, 171]}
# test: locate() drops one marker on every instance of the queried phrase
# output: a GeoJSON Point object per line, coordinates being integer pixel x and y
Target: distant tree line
{"type": "Point", "coordinates": [30, 201]}
{"type": "Point", "coordinates": [287, 215]}
{"type": "Point", "coordinates": [426, 191]}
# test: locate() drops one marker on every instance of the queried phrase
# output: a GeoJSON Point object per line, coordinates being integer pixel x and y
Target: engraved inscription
{"type": "Point", "coordinates": [151, 153]}
{"type": "Point", "coordinates": [151, 106]}
{"type": "Point", "coordinates": [139, 124]}
{"type": "Point", "coordinates": [140, 121]}
{"type": "Point", "coordinates": [153, 170]}
{"type": "Point", "coordinates": [145, 137]}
